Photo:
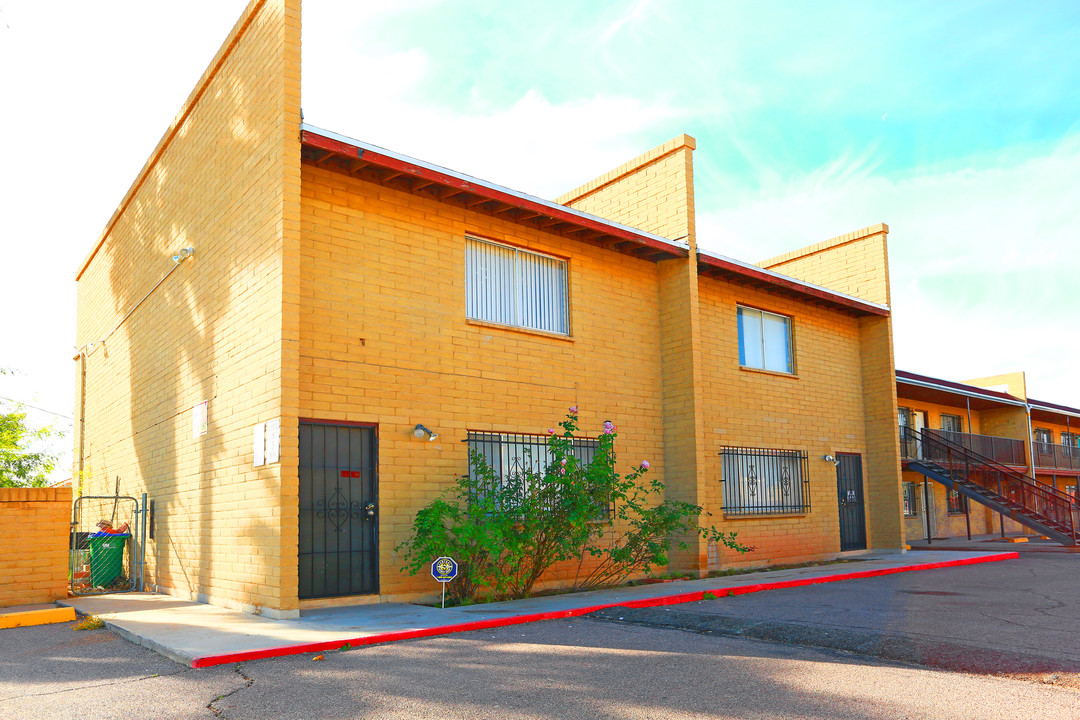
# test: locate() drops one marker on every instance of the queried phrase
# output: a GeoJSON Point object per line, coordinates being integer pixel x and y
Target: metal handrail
{"type": "Point", "coordinates": [1007, 451]}
{"type": "Point", "coordinates": [1058, 507]}
{"type": "Point", "coordinates": [1064, 457]}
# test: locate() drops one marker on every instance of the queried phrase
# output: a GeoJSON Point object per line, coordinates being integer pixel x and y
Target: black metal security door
{"type": "Point", "coordinates": [338, 511]}
{"type": "Point", "coordinates": [849, 488]}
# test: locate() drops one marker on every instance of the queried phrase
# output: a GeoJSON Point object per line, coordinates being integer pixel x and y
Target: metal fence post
{"type": "Point", "coordinates": [142, 542]}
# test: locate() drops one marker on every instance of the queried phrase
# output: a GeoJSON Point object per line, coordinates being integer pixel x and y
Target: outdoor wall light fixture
{"type": "Point", "coordinates": [830, 458]}
{"type": "Point", "coordinates": [184, 253]}
{"type": "Point", "coordinates": [420, 431]}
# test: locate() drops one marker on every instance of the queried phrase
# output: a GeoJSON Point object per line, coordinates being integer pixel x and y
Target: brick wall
{"type": "Point", "coordinates": [856, 263]}
{"type": "Point", "coordinates": [818, 410]}
{"type": "Point", "coordinates": [384, 339]}
{"type": "Point", "coordinates": [225, 180]}
{"type": "Point", "coordinates": [34, 544]}
{"type": "Point", "coordinates": [653, 192]}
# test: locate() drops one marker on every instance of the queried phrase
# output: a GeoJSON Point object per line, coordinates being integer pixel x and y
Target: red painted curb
{"type": "Point", "coordinates": [695, 596]}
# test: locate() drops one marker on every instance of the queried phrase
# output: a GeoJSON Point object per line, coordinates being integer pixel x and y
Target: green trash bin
{"type": "Point", "coordinates": [106, 558]}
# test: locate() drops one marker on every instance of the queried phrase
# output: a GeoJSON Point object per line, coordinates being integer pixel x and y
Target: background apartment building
{"type": "Point", "coordinates": [998, 436]}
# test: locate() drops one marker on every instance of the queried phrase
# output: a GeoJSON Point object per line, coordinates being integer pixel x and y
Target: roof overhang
{"type": "Point", "coordinates": [910, 386]}
{"type": "Point", "coordinates": [400, 172]}
{"type": "Point", "coordinates": [714, 265]}
{"type": "Point", "coordinates": [1053, 413]}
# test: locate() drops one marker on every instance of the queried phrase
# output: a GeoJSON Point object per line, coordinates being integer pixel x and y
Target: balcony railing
{"type": "Point", "coordinates": [1058, 457]}
{"type": "Point", "coordinates": [1006, 451]}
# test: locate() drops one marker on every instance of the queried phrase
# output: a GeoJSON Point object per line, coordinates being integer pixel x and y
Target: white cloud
{"type": "Point", "coordinates": [532, 145]}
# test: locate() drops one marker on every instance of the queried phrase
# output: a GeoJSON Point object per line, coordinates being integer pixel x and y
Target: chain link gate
{"type": "Point", "coordinates": [107, 544]}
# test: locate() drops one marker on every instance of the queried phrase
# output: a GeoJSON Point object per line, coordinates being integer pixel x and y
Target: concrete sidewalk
{"type": "Point", "coordinates": [993, 543]}
{"type": "Point", "coordinates": [201, 635]}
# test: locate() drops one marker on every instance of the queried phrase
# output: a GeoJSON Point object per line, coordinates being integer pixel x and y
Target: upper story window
{"type": "Point", "coordinates": [510, 286]}
{"type": "Point", "coordinates": [765, 340]}
{"type": "Point", "coordinates": [1043, 435]}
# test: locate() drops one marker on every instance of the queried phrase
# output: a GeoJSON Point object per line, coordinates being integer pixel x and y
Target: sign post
{"type": "Point", "coordinates": [444, 569]}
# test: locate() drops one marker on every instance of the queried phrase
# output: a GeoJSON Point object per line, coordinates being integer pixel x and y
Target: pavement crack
{"type": "Point", "coordinates": [248, 682]}
{"type": "Point", "coordinates": [126, 681]}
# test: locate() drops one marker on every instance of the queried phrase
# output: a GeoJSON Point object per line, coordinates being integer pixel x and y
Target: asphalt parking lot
{"type": "Point", "coordinates": [1017, 618]}
{"type": "Point", "coordinates": [995, 640]}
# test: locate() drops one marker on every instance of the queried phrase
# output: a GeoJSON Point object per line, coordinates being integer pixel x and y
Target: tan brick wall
{"type": "Point", "coordinates": [225, 180]}
{"type": "Point", "coordinates": [34, 544]}
{"type": "Point", "coordinates": [1014, 383]}
{"type": "Point", "coordinates": [384, 339]}
{"type": "Point", "coordinates": [653, 192]}
{"type": "Point", "coordinates": [882, 465]}
{"type": "Point", "coordinates": [856, 263]}
{"type": "Point", "coordinates": [819, 410]}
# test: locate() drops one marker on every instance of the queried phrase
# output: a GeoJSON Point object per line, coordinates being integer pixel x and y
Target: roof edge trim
{"type": "Point", "coordinates": [1016, 402]}
{"type": "Point", "coordinates": [775, 278]}
{"type": "Point", "coordinates": [681, 248]}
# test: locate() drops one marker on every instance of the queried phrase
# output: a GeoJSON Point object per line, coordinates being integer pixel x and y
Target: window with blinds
{"type": "Point", "coordinates": [765, 340]}
{"type": "Point", "coordinates": [510, 286]}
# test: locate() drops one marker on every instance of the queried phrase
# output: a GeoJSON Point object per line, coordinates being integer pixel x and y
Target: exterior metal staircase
{"type": "Point", "coordinates": [1042, 508]}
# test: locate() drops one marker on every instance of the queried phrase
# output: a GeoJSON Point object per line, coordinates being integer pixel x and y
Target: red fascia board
{"type": "Point", "coordinates": [950, 385]}
{"type": "Point", "coordinates": [770, 279]}
{"type": "Point", "coordinates": [1043, 405]}
{"type": "Point", "coordinates": [336, 146]}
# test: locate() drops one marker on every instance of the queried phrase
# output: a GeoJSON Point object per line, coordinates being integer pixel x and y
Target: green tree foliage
{"type": "Point", "coordinates": [19, 465]}
{"type": "Point", "coordinates": [505, 532]}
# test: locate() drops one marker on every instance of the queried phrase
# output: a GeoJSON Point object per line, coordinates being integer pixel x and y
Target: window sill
{"type": "Point", "coordinates": [517, 329]}
{"type": "Point", "coordinates": [763, 371]}
{"type": "Point", "coordinates": [766, 515]}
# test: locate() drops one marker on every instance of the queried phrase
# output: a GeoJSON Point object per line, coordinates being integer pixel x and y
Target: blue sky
{"type": "Point", "coordinates": [958, 124]}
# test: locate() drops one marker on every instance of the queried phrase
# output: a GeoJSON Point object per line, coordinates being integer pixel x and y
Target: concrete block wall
{"type": "Point", "coordinates": [653, 192]}
{"type": "Point", "coordinates": [225, 180]}
{"type": "Point", "coordinates": [818, 409]}
{"type": "Point", "coordinates": [384, 339]}
{"type": "Point", "coordinates": [856, 263]}
{"type": "Point", "coordinates": [34, 544]}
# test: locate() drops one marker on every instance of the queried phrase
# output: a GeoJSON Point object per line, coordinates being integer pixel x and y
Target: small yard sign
{"type": "Point", "coordinates": [444, 569]}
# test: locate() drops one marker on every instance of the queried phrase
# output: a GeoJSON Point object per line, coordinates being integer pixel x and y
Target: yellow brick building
{"type": "Point", "coordinates": [994, 418]}
{"type": "Point", "coordinates": [351, 321]}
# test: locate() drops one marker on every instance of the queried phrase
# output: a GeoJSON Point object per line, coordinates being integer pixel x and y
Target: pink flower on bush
{"type": "Point", "coordinates": [644, 464]}
{"type": "Point", "coordinates": [563, 461]}
{"type": "Point", "coordinates": [551, 431]}
{"type": "Point", "coordinates": [609, 427]}
{"type": "Point", "coordinates": [573, 409]}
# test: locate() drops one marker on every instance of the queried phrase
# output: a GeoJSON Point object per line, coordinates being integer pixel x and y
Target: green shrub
{"type": "Point", "coordinates": [505, 532]}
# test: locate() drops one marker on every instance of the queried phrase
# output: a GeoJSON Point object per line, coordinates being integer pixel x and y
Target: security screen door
{"type": "Point", "coordinates": [338, 511]}
{"type": "Point", "coordinates": [849, 488]}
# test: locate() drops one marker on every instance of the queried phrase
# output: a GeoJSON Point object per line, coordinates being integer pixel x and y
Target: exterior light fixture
{"type": "Point", "coordinates": [420, 431]}
{"type": "Point", "coordinates": [184, 253]}
{"type": "Point", "coordinates": [830, 458]}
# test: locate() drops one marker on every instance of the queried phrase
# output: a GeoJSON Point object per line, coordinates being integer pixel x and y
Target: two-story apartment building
{"type": "Point", "coordinates": [291, 339]}
{"type": "Point", "coordinates": [994, 420]}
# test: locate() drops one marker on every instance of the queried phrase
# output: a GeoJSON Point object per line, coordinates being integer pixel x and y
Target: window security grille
{"type": "Point", "coordinates": [510, 286]}
{"type": "Point", "coordinates": [510, 454]}
{"type": "Point", "coordinates": [911, 499]}
{"type": "Point", "coordinates": [957, 503]}
{"type": "Point", "coordinates": [761, 481]}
